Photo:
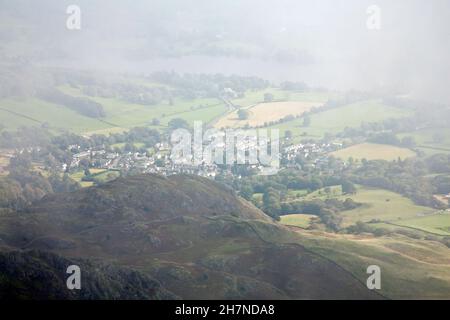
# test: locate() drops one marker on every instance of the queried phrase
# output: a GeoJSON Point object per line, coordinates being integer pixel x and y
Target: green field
{"type": "Point", "coordinates": [376, 204]}
{"type": "Point", "coordinates": [336, 120]}
{"type": "Point", "coordinates": [373, 151]}
{"type": "Point", "coordinates": [122, 144]}
{"type": "Point", "coordinates": [257, 96]}
{"type": "Point", "coordinates": [390, 210]}
{"type": "Point", "coordinates": [127, 115]}
{"type": "Point", "coordinates": [297, 220]}
{"type": "Point", "coordinates": [98, 175]}
{"type": "Point", "coordinates": [295, 194]}
{"type": "Point", "coordinates": [16, 113]}
{"type": "Point", "coordinates": [105, 176]}
{"type": "Point", "coordinates": [438, 224]}
{"type": "Point", "coordinates": [335, 191]}
{"type": "Point", "coordinates": [78, 176]}
{"type": "Point", "coordinates": [120, 115]}
{"type": "Point", "coordinates": [430, 141]}
{"type": "Point", "coordinates": [381, 205]}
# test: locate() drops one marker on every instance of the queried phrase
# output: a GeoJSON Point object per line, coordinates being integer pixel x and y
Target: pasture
{"type": "Point", "coordinates": [438, 224]}
{"type": "Point", "coordinates": [383, 205]}
{"type": "Point", "coordinates": [376, 204]}
{"type": "Point", "coordinates": [373, 151]}
{"type": "Point", "coordinates": [297, 220]}
{"type": "Point", "coordinates": [336, 120]}
{"type": "Point", "coordinates": [120, 115]}
{"type": "Point", "coordinates": [430, 140]}
{"type": "Point", "coordinates": [4, 163]}
{"type": "Point", "coordinates": [262, 113]}
{"type": "Point", "coordinates": [253, 97]}
{"type": "Point", "coordinates": [15, 113]}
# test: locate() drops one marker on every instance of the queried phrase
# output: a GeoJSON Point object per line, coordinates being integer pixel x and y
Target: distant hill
{"type": "Point", "coordinates": [149, 237]}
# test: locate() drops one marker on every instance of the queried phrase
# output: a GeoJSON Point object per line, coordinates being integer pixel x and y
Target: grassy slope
{"type": "Point", "coordinates": [126, 115]}
{"type": "Point", "coordinates": [45, 112]}
{"type": "Point", "coordinates": [410, 269]}
{"type": "Point", "coordinates": [120, 115]}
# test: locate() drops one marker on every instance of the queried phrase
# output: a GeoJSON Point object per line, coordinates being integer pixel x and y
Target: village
{"type": "Point", "coordinates": [160, 161]}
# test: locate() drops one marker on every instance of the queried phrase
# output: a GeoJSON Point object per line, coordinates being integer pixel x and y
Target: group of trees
{"type": "Point", "coordinates": [407, 177]}
{"type": "Point", "coordinates": [326, 210]}
{"type": "Point", "coordinates": [243, 114]}
{"type": "Point", "coordinates": [84, 106]}
{"type": "Point", "coordinates": [208, 85]}
{"type": "Point", "coordinates": [294, 86]}
{"type": "Point", "coordinates": [24, 185]}
{"type": "Point", "coordinates": [274, 189]}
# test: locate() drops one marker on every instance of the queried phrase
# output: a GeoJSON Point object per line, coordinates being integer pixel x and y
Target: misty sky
{"type": "Point", "coordinates": [324, 42]}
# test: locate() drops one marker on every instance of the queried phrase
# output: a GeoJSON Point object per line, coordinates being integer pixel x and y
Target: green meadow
{"type": "Point", "coordinates": [337, 119]}
{"type": "Point", "coordinates": [253, 97]}
{"type": "Point", "coordinates": [120, 115]}
{"type": "Point", "coordinates": [16, 113]}
{"type": "Point", "coordinates": [297, 220]}
{"type": "Point", "coordinates": [430, 140]}
{"type": "Point", "coordinates": [376, 205]}
{"type": "Point", "coordinates": [438, 223]}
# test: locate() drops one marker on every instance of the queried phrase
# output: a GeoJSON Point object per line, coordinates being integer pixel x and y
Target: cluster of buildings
{"type": "Point", "coordinates": [316, 152]}
{"type": "Point", "coordinates": [160, 161]}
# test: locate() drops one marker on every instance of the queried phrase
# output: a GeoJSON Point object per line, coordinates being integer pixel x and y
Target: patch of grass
{"type": "Point", "coordinates": [105, 176]}
{"type": "Point", "coordinates": [334, 191]}
{"type": "Point", "coordinates": [373, 151]}
{"type": "Point", "coordinates": [297, 220]}
{"type": "Point", "coordinates": [121, 145]}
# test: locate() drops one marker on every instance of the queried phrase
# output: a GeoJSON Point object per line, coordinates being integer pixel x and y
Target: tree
{"type": "Point", "coordinates": [243, 114]}
{"type": "Point", "coordinates": [288, 134]}
{"type": "Point", "coordinates": [87, 172]}
{"type": "Point", "coordinates": [178, 123]}
{"type": "Point", "coordinates": [306, 121]}
{"type": "Point", "coordinates": [129, 147]}
{"type": "Point", "coordinates": [348, 187]}
{"type": "Point", "coordinates": [316, 184]}
{"type": "Point", "coordinates": [268, 97]}
{"type": "Point", "coordinates": [438, 137]}
{"type": "Point", "coordinates": [271, 203]}
{"type": "Point", "coordinates": [408, 142]}
{"type": "Point", "coordinates": [246, 192]}
{"type": "Point", "coordinates": [85, 163]}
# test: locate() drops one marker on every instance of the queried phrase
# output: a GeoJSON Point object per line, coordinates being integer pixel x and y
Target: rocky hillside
{"type": "Point", "coordinates": [151, 237]}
